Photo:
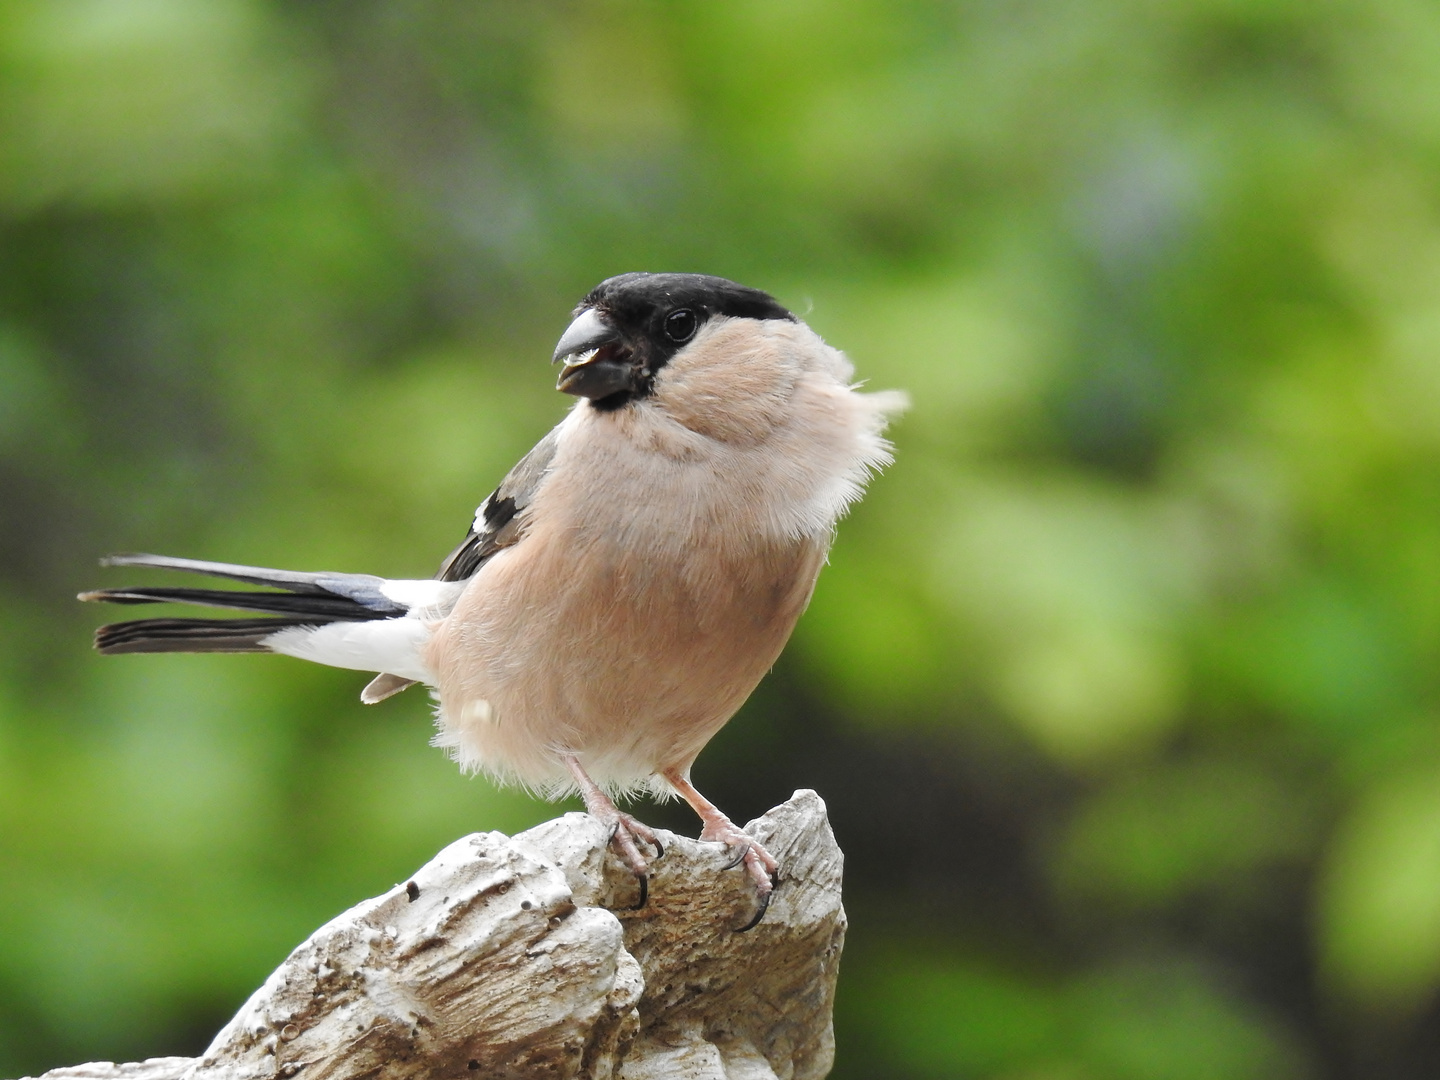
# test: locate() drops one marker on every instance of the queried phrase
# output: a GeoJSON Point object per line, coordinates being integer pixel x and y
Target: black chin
{"type": "Point", "coordinates": [614, 401]}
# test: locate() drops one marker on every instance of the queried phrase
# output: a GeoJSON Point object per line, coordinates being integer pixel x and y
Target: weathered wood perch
{"type": "Point", "coordinates": [517, 958]}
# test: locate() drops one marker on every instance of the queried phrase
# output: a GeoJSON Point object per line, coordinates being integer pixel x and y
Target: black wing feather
{"type": "Point", "coordinates": [499, 520]}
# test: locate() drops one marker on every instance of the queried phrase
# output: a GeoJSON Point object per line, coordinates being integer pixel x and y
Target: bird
{"type": "Point", "coordinates": [630, 581]}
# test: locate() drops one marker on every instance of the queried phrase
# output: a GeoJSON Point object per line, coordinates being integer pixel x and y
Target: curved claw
{"type": "Point", "coordinates": [621, 839]}
{"type": "Point", "coordinates": [738, 859]}
{"type": "Point", "coordinates": [759, 914]}
{"type": "Point", "coordinates": [644, 881]}
{"type": "Point", "coordinates": [659, 848]}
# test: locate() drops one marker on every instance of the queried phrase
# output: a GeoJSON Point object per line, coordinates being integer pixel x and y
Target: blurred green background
{"type": "Point", "coordinates": [1121, 684]}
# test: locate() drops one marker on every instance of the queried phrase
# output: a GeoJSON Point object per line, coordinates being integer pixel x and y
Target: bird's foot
{"type": "Point", "coordinates": [624, 830]}
{"type": "Point", "coordinates": [625, 834]}
{"type": "Point", "coordinates": [745, 851]}
{"type": "Point", "coordinates": [759, 864]}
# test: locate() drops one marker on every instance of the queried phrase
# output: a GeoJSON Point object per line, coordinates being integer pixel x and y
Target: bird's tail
{"type": "Point", "coordinates": [355, 621]}
{"type": "Point", "coordinates": [190, 635]}
{"type": "Point", "coordinates": [293, 600]}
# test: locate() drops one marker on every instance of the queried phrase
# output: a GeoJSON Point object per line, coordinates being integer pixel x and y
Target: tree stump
{"type": "Point", "coordinates": [522, 959]}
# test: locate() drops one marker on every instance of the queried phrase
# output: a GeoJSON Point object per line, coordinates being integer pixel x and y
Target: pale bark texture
{"type": "Point", "coordinates": [518, 959]}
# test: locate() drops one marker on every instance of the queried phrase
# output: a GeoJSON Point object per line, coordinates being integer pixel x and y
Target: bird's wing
{"type": "Point", "coordinates": [499, 522]}
{"type": "Point", "coordinates": [497, 525]}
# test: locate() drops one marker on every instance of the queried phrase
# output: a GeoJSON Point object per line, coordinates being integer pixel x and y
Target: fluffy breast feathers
{"type": "Point", "coordinates": [754, 429]}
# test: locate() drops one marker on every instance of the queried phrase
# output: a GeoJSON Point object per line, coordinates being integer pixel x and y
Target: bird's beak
{"type": "Point", "coordinates": [588, 332]}
{"type": "Point", "coordinates": [594, 367]}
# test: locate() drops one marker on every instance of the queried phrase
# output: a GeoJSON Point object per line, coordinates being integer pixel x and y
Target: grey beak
{"type": "Point", "coordinates": [597, 375]}
{"type": "Point", "coordinates": [588, 331]}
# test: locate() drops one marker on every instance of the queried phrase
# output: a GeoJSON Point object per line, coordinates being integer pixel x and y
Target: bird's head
{"type": "Point", "coordinates": [631, 326]}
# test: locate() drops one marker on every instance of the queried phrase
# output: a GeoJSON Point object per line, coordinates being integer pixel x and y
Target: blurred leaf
{"type": "Point", "coordinates": [1321, 654]}
{"type": "Point", "coordinates": [1070, 586]}
{"type": "Point", "coordinates": [1171, 832]}
{"type": "Point", "coordinates": [1380, 897]}
{"type": "Point", "coordinates": [1153, 1022]}
{"type": "Point", "coordinates": [1156, 1021]}
{"type": "Point", "coordinates": [959, 1019]}
{"type": "Point", "coordinates": [154, 97]}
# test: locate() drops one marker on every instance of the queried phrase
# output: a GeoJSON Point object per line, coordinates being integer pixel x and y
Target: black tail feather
{"type": "Point", "coordinates": [294, 581]}
{"type": "Point", "coordinates": [327, 596]}
{"type": "Point", "coordinates": [192, 635]}
{"type": "Point", "coordinates": [303, 599]}
{"type": "Point", "coordinates": [326, 606]}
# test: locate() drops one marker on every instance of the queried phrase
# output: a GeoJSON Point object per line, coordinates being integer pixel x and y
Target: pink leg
{"type": "Point", "coordinates": [624, 829]}
{"type": "Point", "coordinates": [759, 863]}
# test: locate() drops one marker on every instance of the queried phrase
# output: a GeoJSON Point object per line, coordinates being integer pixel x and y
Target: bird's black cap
{"type": "Point", "coordinates": [628, 298]}
{"type": "Point", "coordinates": [631, 326]}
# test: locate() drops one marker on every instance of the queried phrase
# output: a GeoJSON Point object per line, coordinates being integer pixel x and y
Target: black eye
{"type": "Point", "coordinates": [680, 326]}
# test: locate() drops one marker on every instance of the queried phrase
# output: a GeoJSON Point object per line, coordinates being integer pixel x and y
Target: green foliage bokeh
{"type": "Point", "coordinates": [1122, 682]}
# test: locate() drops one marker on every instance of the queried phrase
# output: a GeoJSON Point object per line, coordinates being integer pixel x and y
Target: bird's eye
{"type": "Point", "coordinates": [680, 326]}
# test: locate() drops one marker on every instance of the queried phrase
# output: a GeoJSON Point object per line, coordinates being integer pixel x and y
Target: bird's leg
{"type": "Point", "coordinates": [759, 863]}
{"type": "Point", "coordinates": [624, 829]}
